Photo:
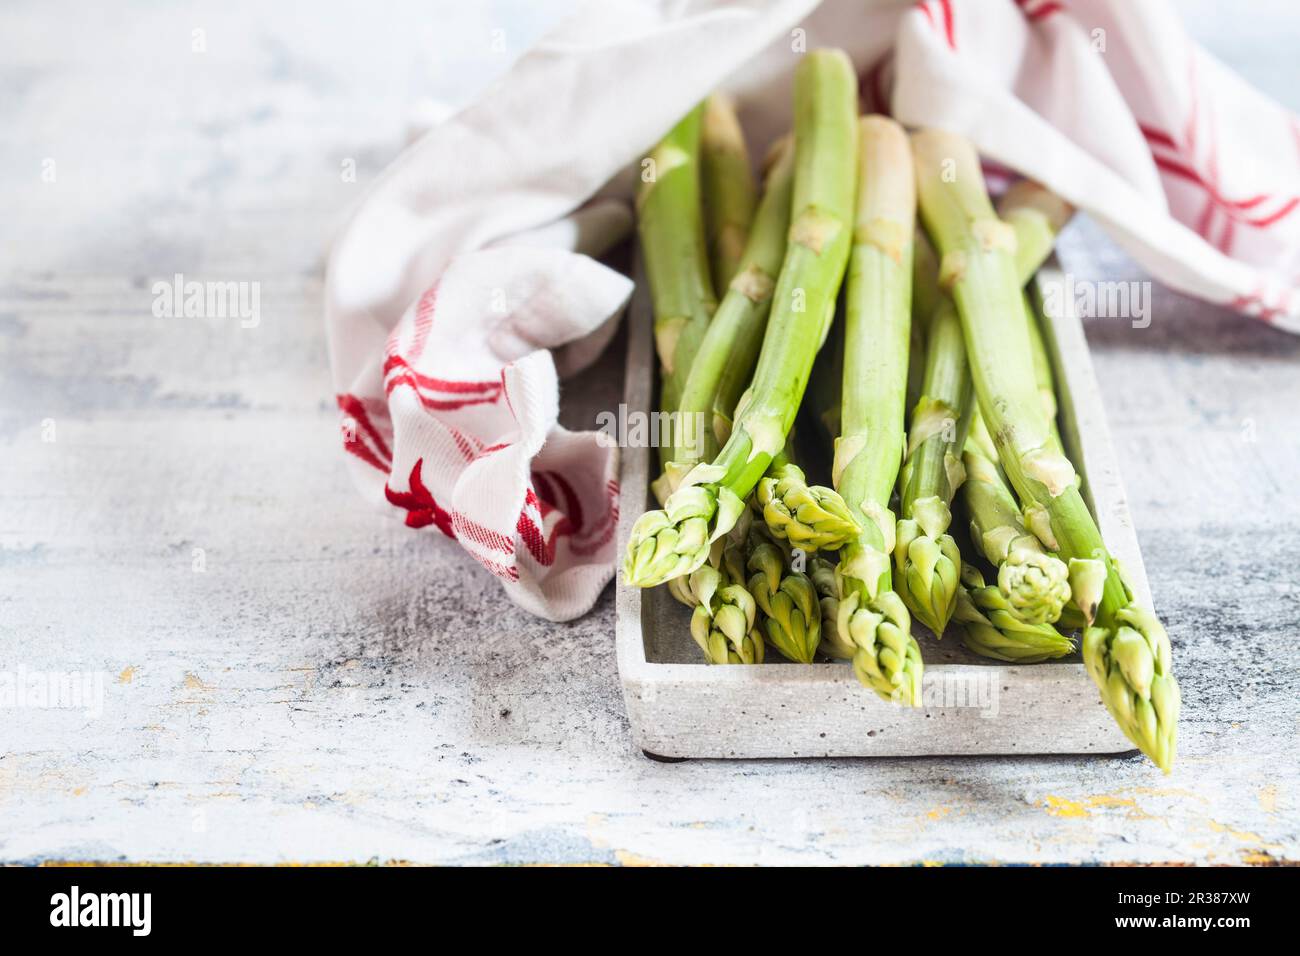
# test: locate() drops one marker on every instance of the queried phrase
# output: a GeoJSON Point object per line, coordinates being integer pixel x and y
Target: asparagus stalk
{"type": "Point", "coordinates": [1126, 651]}
{"type": "Point", "coordinates": [731, 344]}
{"type": "Point", "coordinates": [729, 193]}
{"type": "Point", "coordinates": [672, 241]}
{"type": "Point", "coordinates": [926, 296]}
{"type": "Point", "coordinates": [1037, 216]}
{"type": "Point", "coordinates": [810, 517]}
{"type": "Point", "coordinates": [925, 555]}
{"type": "Point", "coordinates": [674, 541]}
{"type": "Point", "coordinates": [871, 617]}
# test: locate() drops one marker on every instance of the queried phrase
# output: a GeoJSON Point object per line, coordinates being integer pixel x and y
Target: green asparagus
{"type": "Point", "coordinates": [871, 616]}
{"type": "Point", "coordinates": [925, 555]}
{"type": "Point", "coordinates": [725, 627]}
{"type": "Point", "coordinates": [673, 246]}
{"type": "Point", "coordinates": [808, 516]}
{"type": "Point", "coordinates": [731, 344]}
{"type": "Point", "coordinates": [1034, 584]}
{"type": "Point", "coordinates": [1126, 651]}
{"type": "Point", "coordinates": [991, 628]}
{"type": "Point", "coordinates": [728, 188]}
{"type": "Point", "coordinates": [676, 540]}
{"type": "Point", "coordinates": [788, 601]}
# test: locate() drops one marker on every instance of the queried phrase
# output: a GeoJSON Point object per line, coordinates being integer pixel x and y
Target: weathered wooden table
{"type": "Point", "coordinates": [293, 676]}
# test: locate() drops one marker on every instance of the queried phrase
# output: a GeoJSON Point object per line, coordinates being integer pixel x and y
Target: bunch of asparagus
{"type": "Point", "coordinates": [931, 379]}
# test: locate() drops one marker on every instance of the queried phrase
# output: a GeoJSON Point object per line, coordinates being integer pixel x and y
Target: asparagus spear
{"type": "Point", "coordinates": [926, 295]}
{"type": "Point", "coordinates": [726, 565]}
{"type": "Point", "coordinates": [1037, 216]}
{"type": "Point", "coordinates": [1126, 651]}
{"type": "Point", "coordinates": [792, 617]}
{"type": "Point", "coordinates": [1034, 585]}
{"type": "Point", "coordinates": [676, 261]}
{"type": "Point", "coordinates": [991, 628]}
{"type": "Point", "coordinates": [871, 617]}
{"type": "Point", "coordinates": [822, 573]}
{"type": "Point", "coordinates": [675, 541]}
{"type": "Point", "coordinates": [925, 555]}
{"type": "Point", "coordinates": [808, 516]}
{"type": "Point", "coordinates": [731, 344]}
{"type": "Point", "coordinates": [725, 627]}
{"type": "Point", "coordinates": [729, 193]}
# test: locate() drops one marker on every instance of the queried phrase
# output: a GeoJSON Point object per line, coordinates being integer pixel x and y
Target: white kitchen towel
{"type": "Point", "coordinates": [464, 283]}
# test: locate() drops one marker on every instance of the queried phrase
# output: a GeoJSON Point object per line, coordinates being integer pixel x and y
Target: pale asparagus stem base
{"type": "Point", "coordinates": [729, 194]}
{"type": "Point", "coordinates": [871, 618]}
{"type": "Point", "coordinates": [675, 541]}
{"type": "Point", "coordinates": [1127, 652]}
{"type": "Point", "coordinates": [734, 337]}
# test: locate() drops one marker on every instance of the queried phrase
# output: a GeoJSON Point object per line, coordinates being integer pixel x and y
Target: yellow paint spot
{"type": "Point", "coordinates": [1243, 835]}
{"type": "Point", "coordinates": [1169, 792]}
{"type": "Point", "coordinates": [938, 813]}
{"type": "Point", "coordinates": [632, 859]}
{"type": "Point", "coordinates": [127, 675]}
{"type": "Point", "coordinates": [194, 682]}
{"type": "Point", "coordinates": [1268, 799]}
{"type": "Point", "coordinates": [78, 791]}
{"type": "Point", "coordinates": [1255, 859]}
{"type": "Point", "coordinates": [1061, 807]}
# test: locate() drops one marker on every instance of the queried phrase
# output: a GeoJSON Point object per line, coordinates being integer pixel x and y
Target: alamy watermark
{"type": "Point", "coordinates": [192, 299]}
{"type": "Point", "coordinates": [75, 908]}
{"type": "Point", "coordinates": [1095, 299]}
{"type": "Point", "coordinates": [626, 428]}
{"type": "Point", "coordinates": [53, 690]}
{"type": "Point", "coordinates": [976, 688]}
